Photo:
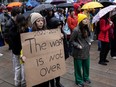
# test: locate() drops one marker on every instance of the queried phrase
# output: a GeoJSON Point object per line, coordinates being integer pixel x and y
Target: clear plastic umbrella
{"type": "Point", "coordinates": [102, 12]}
{"type": "Point", "coordinates": [114, 1]}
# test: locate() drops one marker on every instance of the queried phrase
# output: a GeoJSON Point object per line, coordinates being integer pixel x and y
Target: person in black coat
{"type": "Point", "coordinates": [56, 23]}
{"type": "Point", "coordinates": [113, 41]}
{"type": "Point", "coordinates": [49, 15]}
{"type": "Point", "coordinates": [15, 24]}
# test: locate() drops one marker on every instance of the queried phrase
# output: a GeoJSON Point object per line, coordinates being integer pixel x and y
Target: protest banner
{"type": "Point", "coordinates": [45, 55]}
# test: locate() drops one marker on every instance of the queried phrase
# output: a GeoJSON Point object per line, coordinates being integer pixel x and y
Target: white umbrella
{"type": "Point", "coordinates": [114, 1]}
{"type": "Point", "coordinates": [48, 1]}
{"type": "Point", "coordinates": [102, 12]}
{"type": "Point", "coordinates": [69, 1]}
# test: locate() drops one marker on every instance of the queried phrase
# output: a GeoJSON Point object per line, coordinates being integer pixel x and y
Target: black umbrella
{"type": "Point", "coordinates": [42, 7]}
{"type": "Point", "coordinates": [64, 5]}
{"type": "Point", "coordinates": [106, 3]}
{"type": "Point", "coordinates": [58, 1]}
{"type": "Point", "coordinates": [27, 14]}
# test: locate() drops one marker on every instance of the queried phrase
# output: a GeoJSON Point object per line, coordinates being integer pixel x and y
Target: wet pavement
{"type": "Point", "coordinates": [101, 76]}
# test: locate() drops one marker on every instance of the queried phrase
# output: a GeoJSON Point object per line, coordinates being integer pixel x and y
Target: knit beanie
{"type": "Point", "coordinates": [81, 17]}
{"type": "Point", "coordinates": [35, 16]}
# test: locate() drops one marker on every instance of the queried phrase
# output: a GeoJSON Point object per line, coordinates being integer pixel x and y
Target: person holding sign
{"type": "Point", "coordinates": [81, 47]}
{"type": "Point", "coordinates": [38, 23]}
{"type": "Point", "coordinates": [44, 65]}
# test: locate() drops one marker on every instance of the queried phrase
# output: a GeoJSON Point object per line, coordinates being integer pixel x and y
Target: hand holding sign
{"type": "Point", "coordinates": [45, 56]}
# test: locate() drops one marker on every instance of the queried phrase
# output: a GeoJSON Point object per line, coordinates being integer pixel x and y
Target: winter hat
{"type": "Point", "coordinates": [34, 16]}
{"type": "Point", "coordinates": [81, 17]}
{"type": "Point", "coordinates": [76, 5]}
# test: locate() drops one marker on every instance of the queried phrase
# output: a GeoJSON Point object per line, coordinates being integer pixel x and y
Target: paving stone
{"type": "Point", "coordinates": [6, 63]}
{"type": "Point", "coordinates": [112, 71]}
{"type": "Point", "coordinates": [68, 83]}
{"type": "Point", "coordinates": [5, 84]}
{"type": "Point", "coordinates": [1, 81]}
{"type": "Point", "coordinates": [99, 84]}
{"type": "Point", "coordinates": [6, 74]}
{"type": "Point", "coordinates": [101, 76]}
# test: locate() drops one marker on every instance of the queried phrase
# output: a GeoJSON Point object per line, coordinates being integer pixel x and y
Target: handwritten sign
{"type": "Point", "coordinates": [45, 56]}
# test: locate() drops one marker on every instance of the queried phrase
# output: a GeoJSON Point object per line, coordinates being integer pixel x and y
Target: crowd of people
{"type": "Point", "coordinates": [76, 44]}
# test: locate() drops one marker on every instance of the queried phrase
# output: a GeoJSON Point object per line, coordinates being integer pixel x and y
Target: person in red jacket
{"type": "Point", "coordinates": [104, 36]}
{"type": "Point", "coordinates": [72, 20]}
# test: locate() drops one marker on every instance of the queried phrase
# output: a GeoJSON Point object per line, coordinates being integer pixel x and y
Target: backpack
{"type": "Point", "coordinates": [9, 28]}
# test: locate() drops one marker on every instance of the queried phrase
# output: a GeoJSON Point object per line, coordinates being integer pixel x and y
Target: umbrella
{"type": "Point", "coordinates": [64, 5]}
{"type": "Point", "coordinates": [102, 12]}
{"type": "Point", "coordinates": [27, 14]}
{"type": "Point", "coordinates": [114, 1]}
{"type": "Point", "coordinates": [42, 7]}
{"type": "Point", "coordinates": [58, 1]}
{"type": "Point", "coordinates": [107, 3]}
{"type": "Point", "coordinates": [12, 4]}
{"type": "Point", "coordinates": [48, 1]}
{"type": "Point", "coordinates": [92, 5]}
{"type": "Point", "coordinates": [32, 3]}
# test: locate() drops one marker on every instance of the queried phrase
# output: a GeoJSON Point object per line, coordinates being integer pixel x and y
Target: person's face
{"type": "Point", "coordinates": [5, 11]}
{"type": "Point", "coordinates": [72, 13]}
{"type": "Point", "coordinates": [79, 8]}
{"type": "Point", "coordinates": [62, 11]}
{"type": "Point", "coordinates": [50, 13]}
{"type": "Point", "coordinates": [24, 6]}
{"type": "Point", "coordinates": [40, 23]}
{"type": "Point", "coordinates": [85, 21]}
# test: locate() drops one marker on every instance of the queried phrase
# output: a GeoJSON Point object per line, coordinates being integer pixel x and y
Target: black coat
{"type": "Point", "coordinates": [54, 23]}
{"type": "Point", "coordinates": [14, 36]}
{"type": "Point", "coordinates": [77, 40]}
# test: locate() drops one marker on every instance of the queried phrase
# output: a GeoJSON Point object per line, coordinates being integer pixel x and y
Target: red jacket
{"type": "Point", "coordinates": [104, 31]}
{"type": "Point", "coordinates": [72, 22]}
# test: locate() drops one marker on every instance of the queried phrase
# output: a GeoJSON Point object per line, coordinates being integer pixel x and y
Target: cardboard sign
{"type": "Point", "coordinates": [45, 56]}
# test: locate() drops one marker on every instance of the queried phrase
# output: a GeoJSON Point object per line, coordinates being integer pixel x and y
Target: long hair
{"type": "Point", "coordinates": [84, 30]}
{"type": "Point", "coordinates": [15, 11]}
{"type": "Point", "coordinates": [34, 26]}
{"type": "Point", "coordinates": [48, 16]}
{"type": "Point", "coordinates": [21, 23]}
{"type": "Point", "coordinates": [106, 18]}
